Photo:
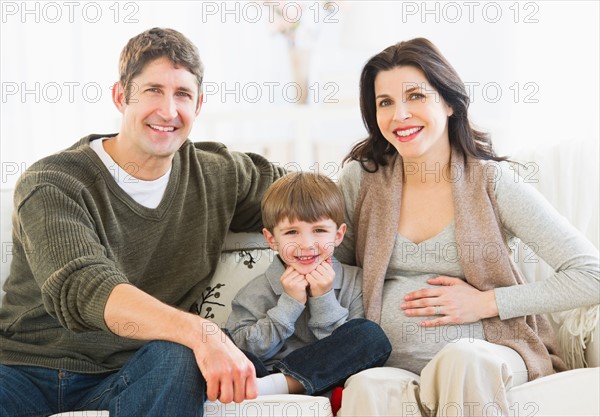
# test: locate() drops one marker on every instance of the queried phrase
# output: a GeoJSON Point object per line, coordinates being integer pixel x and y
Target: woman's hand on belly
{"type": "Point", "coordinates": [452, 301]}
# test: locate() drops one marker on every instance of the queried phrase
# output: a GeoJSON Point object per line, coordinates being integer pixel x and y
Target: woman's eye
{"type": "Point", "coordinates": [384, 103]}
{"type": "Point", "coordinates": [416, 96]}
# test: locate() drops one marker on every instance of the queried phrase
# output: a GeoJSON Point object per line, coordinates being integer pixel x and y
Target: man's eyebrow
{"type": "Point", "coordinates": [151, 84]}
{"type": "Point", "coordinates": [186, 89]}
{"type": "Point", "coordinates": [159, 85]}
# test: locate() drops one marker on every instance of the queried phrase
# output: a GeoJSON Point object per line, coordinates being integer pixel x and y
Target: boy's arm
{"type": "Point", "coordinates": [327, 313]}
{"type": "Point", "coordinates": [356, 305]}
{"type": "Point", "coordinates": [260, 320]}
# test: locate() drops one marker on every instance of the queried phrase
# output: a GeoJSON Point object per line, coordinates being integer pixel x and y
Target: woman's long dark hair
{"type": "Point", "coordinates": [375, 150]}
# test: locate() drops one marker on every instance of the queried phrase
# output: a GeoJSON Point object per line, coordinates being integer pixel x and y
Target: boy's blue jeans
{"type": "Point", "coordinates": [163, 379]}
{"type": "Point", "coordinates": [356, 345]}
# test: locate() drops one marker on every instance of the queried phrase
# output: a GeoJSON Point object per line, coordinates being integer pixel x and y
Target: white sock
{"type": "Point", "coordinates": [272, 384]}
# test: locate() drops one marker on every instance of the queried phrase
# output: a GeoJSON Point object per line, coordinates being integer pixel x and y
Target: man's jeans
{"type": "Point", "coordinates": [356, 345]}
{"type": "Point", "coordinates": [161, 379]}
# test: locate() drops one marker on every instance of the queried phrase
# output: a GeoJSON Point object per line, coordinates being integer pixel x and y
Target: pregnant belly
{"type": "Point", "coordinates": [414, 345]}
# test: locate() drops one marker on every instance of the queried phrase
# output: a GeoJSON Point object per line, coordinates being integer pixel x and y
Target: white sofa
{"type": "Point", "coordinates": [572, 393]}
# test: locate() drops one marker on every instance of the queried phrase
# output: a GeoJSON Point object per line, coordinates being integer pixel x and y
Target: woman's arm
{"type": "Point", "coordinates": [524, 214]}
{"type": "Point", "coordinates": [527, 215]}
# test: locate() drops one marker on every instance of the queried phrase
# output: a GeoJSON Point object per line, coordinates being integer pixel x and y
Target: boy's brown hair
{"type": "Point", "coordinates": [302, 196]}
{"type": "Point", "coordinates": [153, 44]}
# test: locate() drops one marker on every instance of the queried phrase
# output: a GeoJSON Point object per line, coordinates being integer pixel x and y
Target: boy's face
{"type": "Point", "coordinates": [302, 245]}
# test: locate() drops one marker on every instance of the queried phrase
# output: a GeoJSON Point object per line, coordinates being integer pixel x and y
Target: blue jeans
{"type": "Point", "coordinates": [160, 379]}
{"type": "Point", "coordinates": [356, 345]}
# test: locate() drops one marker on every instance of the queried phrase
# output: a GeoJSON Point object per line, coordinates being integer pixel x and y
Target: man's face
{"type": "Point", "coordinates": [160, 111]}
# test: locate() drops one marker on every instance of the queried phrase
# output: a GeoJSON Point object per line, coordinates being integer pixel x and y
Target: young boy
{"type": "Point", "coordinates": [304, 316]}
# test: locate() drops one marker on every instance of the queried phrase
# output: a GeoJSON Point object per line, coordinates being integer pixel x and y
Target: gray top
{"type": "Point", "coordinates": [525, 215]}
{"type": "Point", "coordinates": [410, 267]}
{"type": "Point", "coordinates": [269, 323]}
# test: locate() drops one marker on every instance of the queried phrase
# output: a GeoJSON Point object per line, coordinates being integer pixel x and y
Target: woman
{"type": "Point", "coordinates": [431, 214]}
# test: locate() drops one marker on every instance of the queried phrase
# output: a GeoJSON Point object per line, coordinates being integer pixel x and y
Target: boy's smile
{"type": "Point", "coordinates": [303, 245]}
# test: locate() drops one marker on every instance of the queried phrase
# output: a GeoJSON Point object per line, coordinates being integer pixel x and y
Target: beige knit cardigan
{"type": "Point", "coordinates": [478, 229]}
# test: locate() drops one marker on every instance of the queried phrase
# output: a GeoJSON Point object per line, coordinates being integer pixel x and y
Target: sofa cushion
{"type": "Point", "coordinates": [571, 393]}
{"type": "Point", "coordinates": [245, 257]}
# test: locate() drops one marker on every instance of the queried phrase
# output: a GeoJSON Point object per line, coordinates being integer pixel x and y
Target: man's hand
{"type": "Point", "coordinates": [294, 284]}
{"type": "Point", "coordinates": [321, 279]}
{"type": "Point", "coordinates": [229, 375]}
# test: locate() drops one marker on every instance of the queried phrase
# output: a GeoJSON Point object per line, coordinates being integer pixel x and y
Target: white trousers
{"type": "Point", "coordinates": [466, 378]}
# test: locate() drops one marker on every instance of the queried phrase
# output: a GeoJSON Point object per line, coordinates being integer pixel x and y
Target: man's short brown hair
{"type": "Point", "coordinates": [153, 44]}
{"type": "Point", "coordinates": [302, 196]}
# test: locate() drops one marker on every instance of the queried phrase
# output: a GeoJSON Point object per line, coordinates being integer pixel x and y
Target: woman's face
{"type": "Point", "coordinates": [411, 115]}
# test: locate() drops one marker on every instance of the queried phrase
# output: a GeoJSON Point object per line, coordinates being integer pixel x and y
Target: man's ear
{"type": "Point", "coordinates": [339, 235]}
{"type": "Point", "coordinates": [270, 239]}
{"type": "Point", "coordinates": [118, 96]}
{"type": "Point", "coordinates": [199, 105]}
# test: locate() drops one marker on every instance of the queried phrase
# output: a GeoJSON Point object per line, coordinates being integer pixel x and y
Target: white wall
{"type": "Point", "coordinates": [541, 56]}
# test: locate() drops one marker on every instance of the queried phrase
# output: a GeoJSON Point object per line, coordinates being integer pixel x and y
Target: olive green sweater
{"type": "Point", "coordinates": [77, 234]}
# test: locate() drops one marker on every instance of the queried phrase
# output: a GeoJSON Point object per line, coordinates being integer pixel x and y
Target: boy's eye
{"type": "Point", "coordinates": [290, 232]}
{"type": "Point", "coordinates": [320, 230]}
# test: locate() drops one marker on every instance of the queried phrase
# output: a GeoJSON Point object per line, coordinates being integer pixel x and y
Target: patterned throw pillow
{"type": "Point", "coordinates": [235, 270]}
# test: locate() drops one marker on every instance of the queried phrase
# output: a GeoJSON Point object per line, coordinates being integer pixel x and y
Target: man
{"type": "Point", "coordinates": [115, 238]}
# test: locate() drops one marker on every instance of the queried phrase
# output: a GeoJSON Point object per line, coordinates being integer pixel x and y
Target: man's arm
{"type": "Point", "coordinates": [229, 374]}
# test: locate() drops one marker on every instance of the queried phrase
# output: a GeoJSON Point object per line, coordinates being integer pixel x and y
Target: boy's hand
{"type": "Point", "coordinates": [294, 284]}
{"type": "Point", "coordinates": [321, 279]}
